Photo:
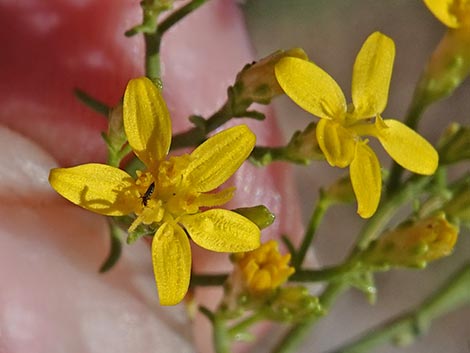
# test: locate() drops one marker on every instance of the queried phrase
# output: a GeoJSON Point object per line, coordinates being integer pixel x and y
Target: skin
{"type": "Point", "coordinates": [52, 298]}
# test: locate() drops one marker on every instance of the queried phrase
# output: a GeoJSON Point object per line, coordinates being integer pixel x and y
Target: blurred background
{"type": "Point", "coordinates": [332, 32]}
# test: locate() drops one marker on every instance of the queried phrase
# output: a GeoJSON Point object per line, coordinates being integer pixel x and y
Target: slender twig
{"type": "Point", "coordinates": [317, 216]}
{"type": "Point", "coordinates": [371, 230]}
{"type": "Point", "coordinates": [454, 294]}
{"type": "Point", "coordinates": [208, 280]}
{"type": "Point", "coordinates": [94, 104]}
{"type": "Point", "coordinates": [243, 325]}
{"type": "Point", "coordinates": [153, 39]}
{"type": "Point", "coordinates": [196, 135]}
{"type": "Point", "coordinates": [152, 56]}
{"type": "Point", "coordinates": [221, 335]}
{"type": "Point", "coordinates": [179, 15]}
{"type": "Point", "coordinates": [115, 248]}
{"type": "Point", "coordinates": [325, 274]}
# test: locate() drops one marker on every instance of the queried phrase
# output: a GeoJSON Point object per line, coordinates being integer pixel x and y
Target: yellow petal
{"type": "Point", "coordinates": [366, 180]}
{"type": "Point", "coordinates": [445, 11]}
{"type": "Point", "coordinates": [407, 147]}
{"type": "Point", "coordinates": [171, 255]}
{"type": "Point", "coordinates": [311, 88]}
{"type": "Point", "coordinates": [371, 75]}
{"type": "Point", "coordinates": [146, 121]}
{"type": "Point", "coordinates": [215, 199]}
{"type": "Point", "coordinates": [222, 230]}
{"type": "Point", "coordinates": [98, 188]}
{"type": "Point", "coordinates": [336, 143]}
{"type": "Point", "coordinates": [213, 162]}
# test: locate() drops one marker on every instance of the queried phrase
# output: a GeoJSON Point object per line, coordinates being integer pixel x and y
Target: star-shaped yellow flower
{"type": "Point", "coordinates": [170, 193]}
{"type": "Point", "coordinates": [453, 13]}
{"type": "Point", "coordinates": [341, 127]}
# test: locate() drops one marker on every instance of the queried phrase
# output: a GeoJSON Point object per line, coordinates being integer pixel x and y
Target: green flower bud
{"type": "Point", "coordinates": [303, 146]}
{"type": "Point", "coordinates": [413, 244]}
{"type": "Point", "coordinates": [257, 82]}
{"type": "Point", "coordinates": [259, 215]}
{"type": "Point", "coordinates": [454, 145]}
{"type": "Point", "coordinates": [448, 66]}
{"type": "Point", "coordinates": [458, 207]}
{"type": "Point", "coordinates": [293, 304]}
{"type": "Point", "coordinates": [116, 136]}
{"type": "Point", "coordinates": [341, 191]}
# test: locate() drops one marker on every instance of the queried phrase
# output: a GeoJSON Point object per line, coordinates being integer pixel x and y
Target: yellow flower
{"type": "Point", "coordinates": [264, 269]}
{"type": "Point", "coordinates": [341, 127]}
{"type": "Point", "coordinates": [170, 193]}
{"type": "Point", "coordinates": [453, 13]}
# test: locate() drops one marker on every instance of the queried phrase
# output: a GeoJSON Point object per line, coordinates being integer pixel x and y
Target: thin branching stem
{"type": "Point", "coordinates": [317, 216]}
{"type": "Point", "coordinates": [325, 274]}
{"type": "Point", "coordinates": [196, 135]}
{"type": "Point", "coordinates": [178, 15]}
{"type": "Point", "coordinates": [370, 232]}
{"type": "Point", "coordinates": [208, 280]}
{"type": "Point", "coordinates": [454, 294]}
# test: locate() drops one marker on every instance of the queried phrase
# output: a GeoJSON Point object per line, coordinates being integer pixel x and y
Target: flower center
{"type": "Point", "coordinates": [165, 194]}
{"type": "Point", "coordinates": [172, 190]}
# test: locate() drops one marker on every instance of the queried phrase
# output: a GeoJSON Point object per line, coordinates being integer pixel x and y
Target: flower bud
{"type": "Point", "coordinates": [458, 207]}
{"type": "Point", "coordinates": [341, 191]}
{"type": "Point", "coordinates": [413, 244]}
{"type": "Point", "coordinates": [448, 66]}
{"type": "Point", "coordinates": [263, 269]}
{"type": "Point", "coordinates": [454, 145]}
{"type": "Point", "coordinates": [303, 147]}
{"type": "Point", "coordinates": [116, 136]}
{"type": "Point", "coordinates": [259, 215]}
{"type": "Point", "coordinates": [257, 82]}
{"type": "Point", "coordinates": [293, 304]}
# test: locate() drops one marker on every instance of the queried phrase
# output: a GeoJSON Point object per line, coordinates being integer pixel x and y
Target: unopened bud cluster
{"type": "Point", "coordinates": [413, 244]}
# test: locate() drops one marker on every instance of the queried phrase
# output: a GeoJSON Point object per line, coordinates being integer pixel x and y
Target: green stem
{"type": "Point", "coordinates": [326, 274]}
{"type": "Point", "coordinates": [371, 230]}
{"type": "Point", "coordinates": [179, 15]}
{"type": "Point", "coordinates": [115, 157]}
{"type": "Point", "coordinates": [298, 332]}
{"type": "Point", "coordinates": [197, 134]}
{"type": "Point", "coordinates": [153, 39]}
{"type": "Point", "coordinates": [318, 213]}
{"type": "Point", "coordinates": [208, 280]}
{"type": "Point", "coordinates": [221, 335]}
{"type": "Point", "coordinates": [115, 248]}
{"type": "Point", "coordinates": [152, 56]}
{"type": "Point", "coordinates": [94, 104]}
{"type": "Point", "coordinates": [451, 296]}
{"type": "Point", "coordinates": [243, 325]}
{"type": "Point", "coordinates": [263, 156]}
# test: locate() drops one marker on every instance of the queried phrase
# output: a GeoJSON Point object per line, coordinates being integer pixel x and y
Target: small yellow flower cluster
{"type": "Point", "coordinates": [263, 269]}
{"type": "Point", "coordinates": [341, 127]}
{"type": "Point", "coordinates": [171, 192]}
